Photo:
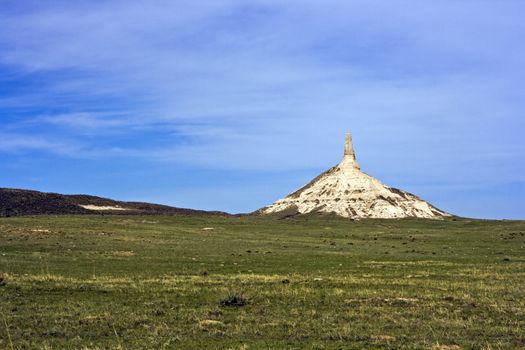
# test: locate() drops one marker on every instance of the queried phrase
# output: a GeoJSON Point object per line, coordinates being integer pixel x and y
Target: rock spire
{"type": "Point", "coordinates": [349, 154]}
{"type": "Point", "coordinates": [346, 191]}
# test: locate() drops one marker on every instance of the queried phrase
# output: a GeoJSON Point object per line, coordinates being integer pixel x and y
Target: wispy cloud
{"type": "Point", "coordinates": [18, 143]}
{"type": "Point", "coordinates": [82, 121]}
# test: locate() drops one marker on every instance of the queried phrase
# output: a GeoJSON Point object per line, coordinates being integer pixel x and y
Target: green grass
{"type": "Point", "coordinates": [99, 282]}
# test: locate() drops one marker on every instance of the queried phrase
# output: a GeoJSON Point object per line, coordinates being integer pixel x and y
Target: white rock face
{"type": "Point", "coordinates": [98, 207]}
{"type": "Point", "coordinates": [347, 191]}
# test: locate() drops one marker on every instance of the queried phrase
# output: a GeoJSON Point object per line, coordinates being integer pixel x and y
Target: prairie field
{"type": "Point", "coordinates": [175, 282]}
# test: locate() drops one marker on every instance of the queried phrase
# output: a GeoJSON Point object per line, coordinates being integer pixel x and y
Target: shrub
{"type": "Point", "coordinates": [234, 300]}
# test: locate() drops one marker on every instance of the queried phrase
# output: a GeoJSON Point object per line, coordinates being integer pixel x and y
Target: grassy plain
{"type": "Point", "coordinates": [156, 282]}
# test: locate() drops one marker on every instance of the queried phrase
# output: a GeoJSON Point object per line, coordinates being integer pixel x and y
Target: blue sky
{"type": "Point", "coordinates": [230, 105]}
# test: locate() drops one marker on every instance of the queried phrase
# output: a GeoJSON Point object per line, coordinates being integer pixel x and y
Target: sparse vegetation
{"type": "Point", "coordinates": [132, 282]}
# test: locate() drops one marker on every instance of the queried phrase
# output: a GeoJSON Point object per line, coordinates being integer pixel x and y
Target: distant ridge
{"type": "Point", "coordinates": [15, 202]}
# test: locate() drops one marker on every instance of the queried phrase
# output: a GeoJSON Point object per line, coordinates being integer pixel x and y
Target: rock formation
{"type": "Point", "coordinates": [346, 191]}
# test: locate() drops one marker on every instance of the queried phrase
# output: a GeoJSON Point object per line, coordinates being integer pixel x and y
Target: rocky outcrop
{"type": "Point", "coordinates": [346, 191]}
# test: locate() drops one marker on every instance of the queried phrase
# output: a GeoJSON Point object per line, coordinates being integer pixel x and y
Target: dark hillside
{"type": "Point", "coordinates": [16, 202]}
